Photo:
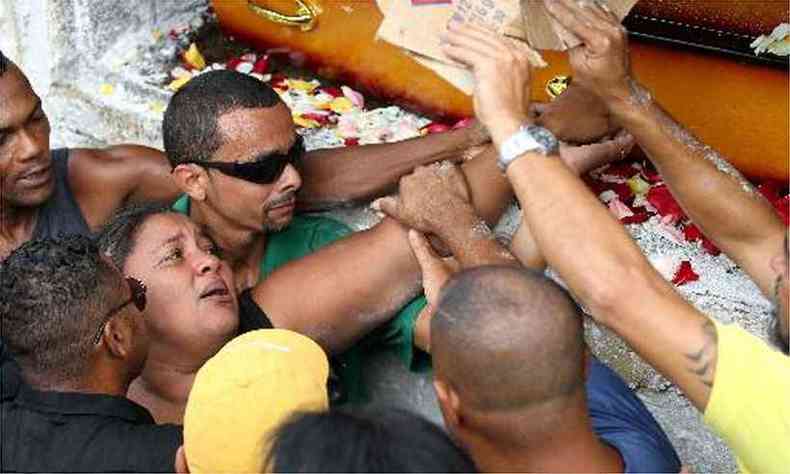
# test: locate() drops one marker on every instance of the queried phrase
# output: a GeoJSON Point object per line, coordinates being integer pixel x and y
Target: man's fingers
{"type": "Point", "coordinates": [479, 33]}
{"type": "Point", "coordinates": [569, 18]}
{"type": "Point", "coordinates": [388, 205]}
{"type": "Point", "coordinates": [466, 49]}
{"type": "Point", "coordinates": [423, 251]}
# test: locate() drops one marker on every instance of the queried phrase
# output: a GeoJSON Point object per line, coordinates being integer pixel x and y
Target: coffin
{"type": "Point", "coordinates": [693, 55]}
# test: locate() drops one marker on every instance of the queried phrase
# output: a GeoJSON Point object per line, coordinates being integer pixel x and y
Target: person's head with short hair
{"type": "Point", "coordinates": [507, 345]}
{"type": "Point", "coordinates": [233, 145]}
{"type": "Point", "coordinates": [372, 440]}
{"type": "Point", "coordinates": [26, 177]}
{"type": "Point", "coordinates": [243, 393]}
{"type": "Point", "coordinates": [781, 296]}
{"type": "Point", "coordinates": [192, 308]}
{"type": "Point", "coordinates": [66, 311]}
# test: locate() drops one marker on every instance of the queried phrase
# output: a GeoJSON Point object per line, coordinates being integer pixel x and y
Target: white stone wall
{"type": "Point", "coordinates": [71, 48]}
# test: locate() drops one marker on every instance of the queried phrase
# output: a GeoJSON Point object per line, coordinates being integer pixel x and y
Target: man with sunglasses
{"type": "Point", "coordinates": [75, 327]}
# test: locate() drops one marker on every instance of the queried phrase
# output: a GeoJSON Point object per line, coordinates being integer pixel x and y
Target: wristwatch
{"type": "Point", "coordinates": [527, 138]}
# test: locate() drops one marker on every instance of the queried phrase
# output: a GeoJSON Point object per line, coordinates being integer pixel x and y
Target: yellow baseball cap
{"type": "Point", "coordinates": [244, 392]}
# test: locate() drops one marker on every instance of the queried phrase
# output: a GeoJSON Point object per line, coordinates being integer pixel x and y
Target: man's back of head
{"type": "Point", "coordinates": [54, 297]}
{"type": "Point", "coordinates": [506, 340]}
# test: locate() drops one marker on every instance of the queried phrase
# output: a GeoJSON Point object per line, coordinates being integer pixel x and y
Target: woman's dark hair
{"type": "Point", "coordinates": [119, 235]}
{"type": "Point", "coordinates": [3, 63]}
{"type": "Point", "coordinates": [374, 440]}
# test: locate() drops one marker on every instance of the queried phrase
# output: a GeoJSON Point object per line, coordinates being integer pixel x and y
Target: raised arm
{"type": "Point", "coordinates": [580, 239]}
{"type": "Point", "coordinates": [716, 197]}
{"type": "Point", "coordinates": [338, 176]}
{"type": "Point", "coordinates": [104, 180]}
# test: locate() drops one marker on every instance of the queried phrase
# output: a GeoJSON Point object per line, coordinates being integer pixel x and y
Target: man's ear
{"type": "Point", "coordinates": [181, 460]}
{"type": "Point", "coordinates": [118, 336]}
{"type": "Point", "coordinates": [191, 179]}
{"type": "Point", "coordinates": [449, 403]}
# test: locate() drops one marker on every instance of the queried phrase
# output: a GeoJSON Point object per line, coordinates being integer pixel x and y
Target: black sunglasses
{"type": "Point", "coordinates": [265, 170]}
{"type": "Point", "coordinates": [137, 297]}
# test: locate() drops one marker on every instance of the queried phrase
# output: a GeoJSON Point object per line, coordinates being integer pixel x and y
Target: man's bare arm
{"type": "Point", "coordinates": [712, 192]}
{"type": "Point", "coordinates": [338, 176]}
{"type": "Point", "coordinates": [104, 180]}
{"type": "Point", "coordinates": [341, 292]}
{"type": "Point", "coordinates": [580, 239]}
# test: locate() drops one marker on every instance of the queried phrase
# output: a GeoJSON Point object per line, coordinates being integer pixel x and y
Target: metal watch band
{"type": "Point", "coordinates": [527, 138]}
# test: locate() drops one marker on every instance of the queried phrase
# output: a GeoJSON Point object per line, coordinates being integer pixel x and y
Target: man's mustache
{"type": "Point", "coordinates": [284, 199]}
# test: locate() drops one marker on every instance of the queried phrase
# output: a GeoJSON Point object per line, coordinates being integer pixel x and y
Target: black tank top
{"type": "Point", "coordinates": [60, 215]}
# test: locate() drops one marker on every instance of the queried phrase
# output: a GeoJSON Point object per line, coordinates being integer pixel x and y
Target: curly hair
{"type": "Point", "coordinates": [54, 294]}
{"type": "Point", "coordinates": [189, 127]}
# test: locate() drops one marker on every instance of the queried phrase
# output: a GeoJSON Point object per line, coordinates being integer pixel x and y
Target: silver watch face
{"type": "Point", "coordinates": [544, 137]}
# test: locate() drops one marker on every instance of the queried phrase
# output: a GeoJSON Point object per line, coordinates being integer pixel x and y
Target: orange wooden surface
{"type": "Point", "coordinates": [739, 109]}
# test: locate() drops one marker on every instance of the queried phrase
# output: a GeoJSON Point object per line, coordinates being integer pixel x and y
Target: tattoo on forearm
{"type": "Point", "coordinates": [701, 362]}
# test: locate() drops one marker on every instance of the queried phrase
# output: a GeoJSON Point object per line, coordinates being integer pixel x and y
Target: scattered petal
{"type": "Point", "coordinates": [354, 96]}
{"type": "Point", "coordinates": [710, 247]}
{"type": "Point", "coordinates": [638, 218]}
{"type": "Point", "coordinates": [638, 186]}
{"type": "Point", "coordinates": [178, 83]}
{"type": "Point", "coordinates": [665, 204]}
{"type": "Point", "coordinates": [622, 169]}
{"type": "Point", "coordinates": [436, 128]}
{"type": "Point", "coordinates": [352, 141]}
{"type": "Point", "coordinates": [692, 233]}
{"type": "Point", "coordinates": [607, 196]}
{"type": "Point", "coordinates": [300, 85]}
{"type": "Point", "coordinates": [666, 265]}
{"type": "Point", "coordinates": [668, 228]}
{"type": "Point", "coordinates": [156, 107]}
{"type": "Point", "coordinates": [341, 105]}
{"type": "Point", "coordinates": [244, 67]}
{"type": "Point", "coordinates": [232, 63]}
{"type": "Point", "coordinates": [193, 58]}
{"type": "Point", "coordinates": [301, 121]}
{"type": "Point", "coordinates": [333, 91]}
{"type": "Point", "coordinates": [684, 274]}
{"type": "Point", "coordinates": [249, 57]}
{"type": "Point", "coordinates": [106, 89]}
{"type": "Point", "coordinates": [463, 123]}
{"type": "Point", "coordinates": [261, 65]}
{"type": "Point", "coordinates": [178, 72]}
{"type": "Point", "coordinates": [619, 209]}
{"type": "Point", "coordinates": [782, 206]}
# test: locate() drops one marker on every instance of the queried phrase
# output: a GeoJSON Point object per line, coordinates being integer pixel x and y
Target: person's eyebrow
{"type": "Point", "coordinates": [29, 116]}
{"type": "Point", "coordinates": [173, 238]}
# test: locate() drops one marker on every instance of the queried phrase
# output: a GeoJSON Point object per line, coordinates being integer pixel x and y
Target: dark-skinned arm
{"type": "Point", "coordinates": [105, 180]}
{"type": "Point", "coordinates": [343, 176]}
{"type": "Point", "coordinates": [743, 225]}
{"type": "Point", "coordinates": [613, 279]}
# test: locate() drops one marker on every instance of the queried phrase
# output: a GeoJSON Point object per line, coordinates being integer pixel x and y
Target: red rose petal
{"type": "Point", "coordinates": [623, 191]}
{"type": "Point", "coordinates": [232, 63]}
{"type": "Point", "coordinates": [684, 274]}
{"type": "Point", "coordinates": [782, 206]}
{"type": "Point", "coordinates": [710, 247]}
{"type": "Point", "coordinates": [692, 233]}
{"type": "Point", "coordinates": [649, 173]}
{"type": "Point", "coordinates": [637, 218]}
{"type": "Point", "coordinates": [436, 128]}
{"type": "Point", "coordinates": [333, 91]}
{"type": "Point", "coordinates": [463, 123]}
{"type": "Point", "coordinates": [770, 190]}
{"type": "Point", "coordinates": [320, 118]}
{"type": "Point", "coordinates": [261, 65]}
{"type": "Point", "coordinates": [351, 141]}
{"type": "Point", "coordinates": [665, 204]}
{"type": "Point", "coordinates": [279, 81]}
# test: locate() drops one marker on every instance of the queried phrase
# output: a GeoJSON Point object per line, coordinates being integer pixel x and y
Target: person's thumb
{"type": "Point", "coordinates": [388, 205]}
{"type": "Point", "coordinates": [423, 251]}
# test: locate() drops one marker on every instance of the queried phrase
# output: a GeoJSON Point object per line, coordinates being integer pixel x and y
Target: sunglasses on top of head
{"type": "Point", "coordinates": [137, 296]}
{"type": "Point", "coordinates": [265, 170]}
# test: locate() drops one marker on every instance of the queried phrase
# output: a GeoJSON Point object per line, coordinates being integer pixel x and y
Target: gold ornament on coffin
{"type": "Point", "coordinates": [557, 86]}
{"type": "Point", "coordinates": [305, 18]}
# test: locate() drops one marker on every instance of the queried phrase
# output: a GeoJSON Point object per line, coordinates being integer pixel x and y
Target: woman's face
{"type": "Point", "coordinates": [191, 298]}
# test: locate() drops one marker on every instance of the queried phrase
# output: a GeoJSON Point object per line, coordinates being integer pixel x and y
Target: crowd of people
{"type": "Point", "coordinates": [180, 311]}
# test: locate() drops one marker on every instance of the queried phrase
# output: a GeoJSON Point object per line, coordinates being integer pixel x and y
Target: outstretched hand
{"type": "Point", "coordinates": [502, 75]}
{"type": "Point", "coordinates": [600, 63]}
{"type": "Point", "coordinates": [430, 199]}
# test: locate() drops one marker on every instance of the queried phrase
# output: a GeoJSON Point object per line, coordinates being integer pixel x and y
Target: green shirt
{"type": "Point", "coordinates": [303, 236]}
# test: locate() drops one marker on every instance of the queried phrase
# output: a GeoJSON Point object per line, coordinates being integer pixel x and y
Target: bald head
{"type": "Point", "coordinates": [506, 338]}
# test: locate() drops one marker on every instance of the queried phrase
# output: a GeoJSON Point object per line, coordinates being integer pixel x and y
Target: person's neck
{"type": "Point", "coordinates": [102, 380]}
{"type": "Point", "coordinates": [164, 385]}
{"type": "Point", "coordinates": [571, 446]}
{"type": "Point", "coordinates": [242, 248]}
{"type": "Point", "coordinates": [16, 227]}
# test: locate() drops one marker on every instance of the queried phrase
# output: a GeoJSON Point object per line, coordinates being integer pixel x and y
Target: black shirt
{"type": "Point", "coordinates": [70, 432]}
{"type": "Point", "coordinates": [251, 316]}
{"type": "Point", "coordinates": [78, 432]}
